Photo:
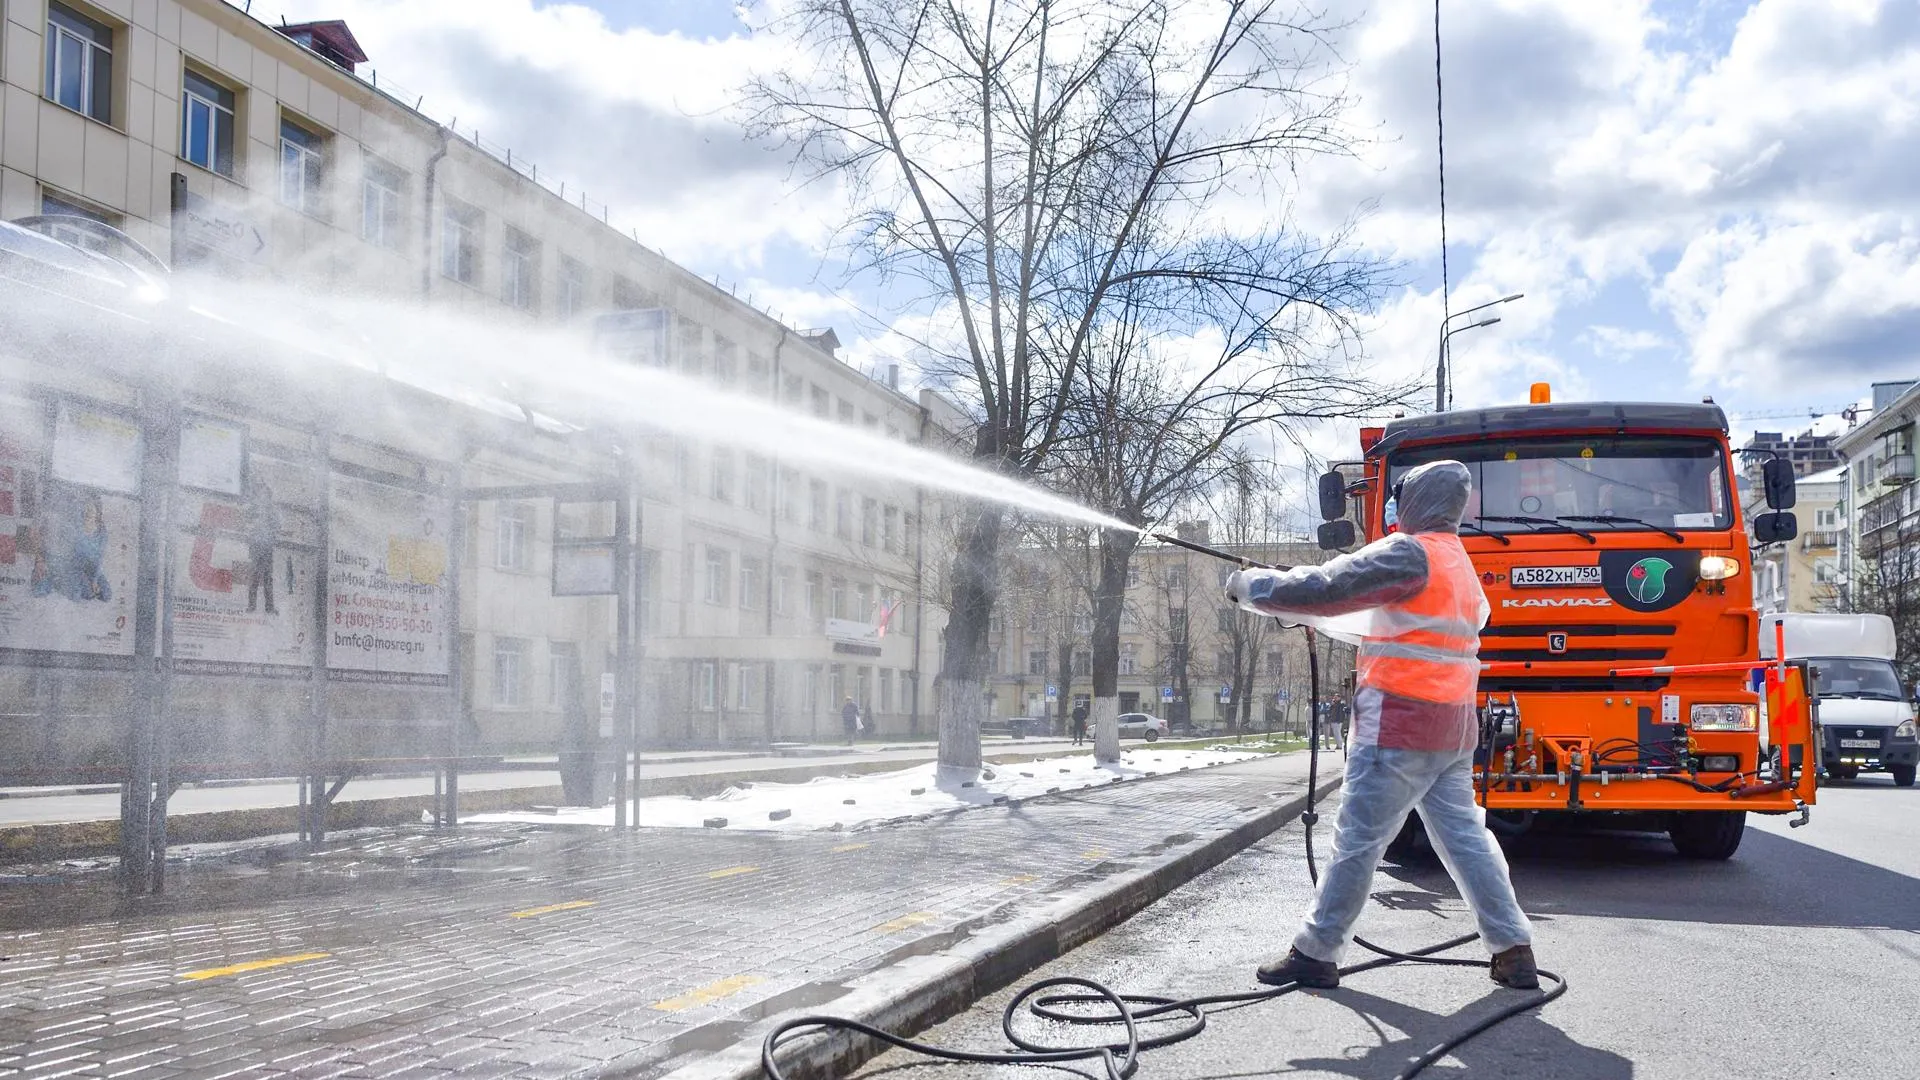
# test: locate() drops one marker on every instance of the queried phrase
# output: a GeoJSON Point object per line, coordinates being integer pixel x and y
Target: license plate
{"type": "Point", "coordinates": [1536, 577]}
{"type": "Point", "coordinates": [1859, 744]}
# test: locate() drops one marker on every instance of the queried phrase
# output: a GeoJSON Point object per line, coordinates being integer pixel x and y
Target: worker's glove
{"type": "Point", "coordinates": [1237, 585]}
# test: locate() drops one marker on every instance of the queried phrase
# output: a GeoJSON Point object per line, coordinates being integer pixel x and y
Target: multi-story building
{"type": "Point", "coordinates": [1810, 453]}
{"type": "Point", "coordinates": [1186, 654]}
{"type": "Point", "coordinates": [1879, 505]}
{"type": "Point", "coordinates": [228, 145]}
{"type": "Point", "coordinates": [1802, 574]}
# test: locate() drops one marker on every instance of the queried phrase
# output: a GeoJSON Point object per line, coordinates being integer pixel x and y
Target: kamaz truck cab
{"type": "Point", "coordinates": [1617, 665]}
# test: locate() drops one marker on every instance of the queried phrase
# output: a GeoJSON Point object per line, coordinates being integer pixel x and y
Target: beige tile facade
{"type": "Point", "coordinates": [742, 662]}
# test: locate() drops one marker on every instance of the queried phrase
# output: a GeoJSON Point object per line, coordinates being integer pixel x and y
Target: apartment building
{"type": "Point", "coordinates": [1879, 505]}
{"type": "Point", "coordinates": [770, 591]}
{"type": "Point", "coordinates": [1185, 653]}
{"type": "Point", "coordinates": [1802, 574]}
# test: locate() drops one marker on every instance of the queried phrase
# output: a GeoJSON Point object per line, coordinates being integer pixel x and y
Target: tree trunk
{"type": "Point", "coordinates": [1063, 684]}
{"type": "Point", "coordinates": [1109, 602]}
{"type": "Point", "coordinates": [959, 702]}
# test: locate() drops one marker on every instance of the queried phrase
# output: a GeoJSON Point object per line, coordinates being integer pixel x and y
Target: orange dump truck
{"type": "Point", "coordinates": [1620, 667]}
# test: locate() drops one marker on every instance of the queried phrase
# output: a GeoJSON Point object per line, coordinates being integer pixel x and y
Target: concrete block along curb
{"type": "Point", "coordinates": [919, 991]}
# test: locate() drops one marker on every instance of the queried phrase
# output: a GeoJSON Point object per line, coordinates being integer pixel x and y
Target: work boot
{"type": "Point", "coordinates": [1515, 969]}
{"type": "Point", "coordinates": [1298, 969]}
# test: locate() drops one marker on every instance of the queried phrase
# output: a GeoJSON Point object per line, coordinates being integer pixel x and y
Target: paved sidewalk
{"type": "Point", "coordinates": [25, 806]}
{"type": "Point", "coordinates": [531, 952]}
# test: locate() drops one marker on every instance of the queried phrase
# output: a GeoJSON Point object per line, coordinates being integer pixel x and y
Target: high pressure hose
{"type": "Point", "coordinates": [1120, 1060]}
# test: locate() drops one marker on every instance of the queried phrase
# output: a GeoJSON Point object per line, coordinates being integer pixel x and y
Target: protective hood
{"type": "Point", "coordinates": [1433, 497]}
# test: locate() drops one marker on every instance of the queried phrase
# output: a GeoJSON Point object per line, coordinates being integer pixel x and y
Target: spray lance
{"type": "Point", "coordinates": [1241, 561]}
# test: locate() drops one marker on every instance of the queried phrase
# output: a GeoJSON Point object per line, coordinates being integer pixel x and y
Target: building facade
{"type": "Point", "coordinates": [1879, 505]}
{"type": "Point", "coordinates": [1802, 574]}
{"type": "Point", "coordinates": [770, 591]}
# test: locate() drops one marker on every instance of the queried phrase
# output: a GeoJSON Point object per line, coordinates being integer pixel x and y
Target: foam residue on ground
{"type": "Point", "coordinates": [855, 802]}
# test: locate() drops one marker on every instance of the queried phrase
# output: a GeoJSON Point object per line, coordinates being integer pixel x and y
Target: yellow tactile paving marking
{"type": "Point", "coordinates": [570, 905]}
{"type": "Point", "coordinates": [711, 992]}
{"type": "Point", "coordinates": [254, 965]}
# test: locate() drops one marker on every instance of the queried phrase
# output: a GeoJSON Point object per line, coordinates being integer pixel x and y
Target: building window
{"type": "Point", "coordinates": [70, 234]}
{"type": "Point", "coordinates": [750, 571]}
{"type": "Point", "coordinates": [509, 667]}
{"type": "Point", "coordinates": [1225, 615]}
{"type": "Point", "coordinates": [1082, 663]}
{"type": "Point", "coordinates": [869, 522]}
{"type": "Point", "coordinates": [783, 590]}
{"type": "Point", "coordinates": [563, 668]}
{"type": "Point", "coordinates": [1083, 623]}
{"type": "Point", "coordinates": [1133, 576]}
{"type": "Point", "coordinates": [1223, 664]}
{"type": "Point", "coordinates": [846, 413]}
{"type": "Point", "coordinates": [836, 685]}
{"type": "Point", "coordinates": [1176, 577]}
{"type": "Point", "coordinates": [719, 565]}
{"type": "Point", "coordinates": [817, 505]}
{"type": "Point", "coordinates": [816, 588]}
{"type": "Point", "coordinates": [573, 287]}
{"type": "Point", "coordinates": [721, 489]}
{"type": "Point", "coordinates": [744, 678]}
{"type": "Point", "coordinates": [863, 603]}
{"type": "Point", "coordinates": [383, 191]}
{"type": "Point", "coordinates": [810, 690]}
{"type": "Point", "coordinates": [1276, 664]}
{"type": "Point", "coordinates": [1825, 571]}
{"type": "Point", "coordinates": [837, 598]}
{"type": "Point", "coordinates": [889, 529]}
{"type": "Point", "coordinates": [80, 63]}
{"type": "Point", "coordinates": [1129, 660]}
{"type": "Point", "coordinates": [512, 537]}
{"type": "Point", "coordinates": [726, 361]}
{"type": "Point", "coordinates": [821, 402]}
{"type": "Point", "coordinates": [460, 242]}
{"type": "Point", "coordinates": [886, 690]}
{"type": "Point", "coordinates": [754, 486]}
{"type": "Point", "coordinates": [301, 161]}
{"type": "Point", "coordinates": [519, 270]}
{"type": "Point", "coordinates": [792, 390]}
{"type": "Point", "coordinates": [843, 513]}
{"type": "Point", "coordinates": [706, 688]}
{"type": "Point", "coordinates": [206, 124]}
{"type": "Point", "coordinates": [1037, 662]}
{"type": "Point", "coordinates": [789, 495]}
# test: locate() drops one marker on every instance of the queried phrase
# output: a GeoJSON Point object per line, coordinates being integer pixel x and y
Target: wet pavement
{"type": "Point", "coordinates": [517, 950]}
{"type": "Point", "coordinates": [1796, 959]}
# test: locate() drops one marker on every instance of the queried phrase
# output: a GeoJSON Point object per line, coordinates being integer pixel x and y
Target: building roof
{"type": "Point", "coordinates": [1559, 416]}
{"type": "Point", "coordinates": [1825, 476]}
{"type": "Point", "coordinates": [327, 36]}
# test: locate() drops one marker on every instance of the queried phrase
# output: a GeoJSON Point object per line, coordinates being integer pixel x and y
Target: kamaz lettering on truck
{"type": "Point", "coordinates": [1617, 668]}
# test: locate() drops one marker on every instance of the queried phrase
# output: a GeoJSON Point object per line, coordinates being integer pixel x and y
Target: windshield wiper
{"type": "Point", "coordinates": [1551, 523]}
{"type": "Point", "coordinates": [1502, 537]}
{"type": "Point", "coordinates": [1616, 519]}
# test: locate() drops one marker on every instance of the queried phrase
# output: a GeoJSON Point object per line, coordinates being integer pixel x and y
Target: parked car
{"type": "Point", "coordinates": [1142, 724]}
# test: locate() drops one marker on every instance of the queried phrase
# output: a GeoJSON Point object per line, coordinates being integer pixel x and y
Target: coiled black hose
{"type": "Point", "coordinates": [1121, 1060]}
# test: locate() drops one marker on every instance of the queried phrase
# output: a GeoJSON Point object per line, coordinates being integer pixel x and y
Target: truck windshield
{"type": "Point", "coordinates": [1600, 482]}
{"type": "Point", "coordinates": [1851, 677]}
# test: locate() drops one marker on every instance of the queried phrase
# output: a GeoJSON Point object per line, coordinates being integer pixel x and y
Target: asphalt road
{"type": "Point", "coordinates": [1797, 958]}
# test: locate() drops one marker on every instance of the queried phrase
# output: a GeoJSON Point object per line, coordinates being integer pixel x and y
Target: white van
{"type": "Point", "coordinates": [1866, 719]}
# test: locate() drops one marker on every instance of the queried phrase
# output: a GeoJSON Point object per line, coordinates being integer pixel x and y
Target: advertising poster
{"type": "Point", "coordinates": [387, 584]}
{"type": "Point", "coordinates": [243, 596]}
{"type": "Point", "coordinates": [68, 551]}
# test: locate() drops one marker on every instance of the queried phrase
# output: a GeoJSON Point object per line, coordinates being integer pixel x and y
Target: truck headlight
{"type": "Point", "coordinates": [1718, 567]}
{"type": "Point", "coordinates": [1724, 717]}
{"type": "Point", "coordinates": [1903, 730]}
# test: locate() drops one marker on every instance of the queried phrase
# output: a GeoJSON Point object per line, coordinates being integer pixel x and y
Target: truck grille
{"type": "Point", "coordinates": [1572, 684]}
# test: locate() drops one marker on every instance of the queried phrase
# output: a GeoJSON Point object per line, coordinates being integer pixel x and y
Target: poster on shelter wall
{"type": "Point", "coordinates": [68, 550]}
{"type": "Point", "coordinates": [387, 584]}
{"type": "Point", "coordinates": [243, 596]}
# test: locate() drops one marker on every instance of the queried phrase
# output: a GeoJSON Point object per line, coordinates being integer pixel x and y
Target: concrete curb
{"type": "Point", "coordinates": [917, 992]}
{"type": "Point", "coordinates": [92, 839]}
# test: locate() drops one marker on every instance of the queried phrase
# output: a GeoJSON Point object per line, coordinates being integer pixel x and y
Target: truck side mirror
{"type": "Point", "coordinates": [1336, 535]}
{"type": "Point", "coordinates": [1778, 476]}
{"type": "Point", "coordinates": [1333, 496]}
{"type": "Point", "coordinates": [1775, 528]}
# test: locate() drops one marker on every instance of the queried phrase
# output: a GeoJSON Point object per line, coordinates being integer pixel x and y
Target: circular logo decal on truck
{"type": "Point", "coordinates": [1647, 580]}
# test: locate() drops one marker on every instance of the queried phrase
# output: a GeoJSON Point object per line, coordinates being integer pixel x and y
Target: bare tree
{"type": "Point", "coordinates": [1886, 581]}
{"type": "Point", "coordinates": [1028, 163]}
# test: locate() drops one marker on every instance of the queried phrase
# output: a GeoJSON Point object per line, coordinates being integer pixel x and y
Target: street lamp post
{"type": "Point", "coordinates": [1440, 365]}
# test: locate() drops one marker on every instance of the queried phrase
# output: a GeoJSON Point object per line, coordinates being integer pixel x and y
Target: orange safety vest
{"type": "Point", "coordinates": [1428, 647]}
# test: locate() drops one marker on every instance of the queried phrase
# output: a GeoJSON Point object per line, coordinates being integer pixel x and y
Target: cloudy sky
{"type": "Point", "coordinates": [1696, 196]}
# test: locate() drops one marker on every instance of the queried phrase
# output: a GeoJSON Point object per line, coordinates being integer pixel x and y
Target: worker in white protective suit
{"type": "Point", "coordinates": [1416, 605]}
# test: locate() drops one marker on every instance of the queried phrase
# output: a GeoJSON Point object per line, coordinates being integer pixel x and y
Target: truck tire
{"type": "Point", "coordinates": [1902, 775]}
{"type": "Point", "coordinates": [1410, 845]}
{"type": "Point", "coordinates": [1708, 834]}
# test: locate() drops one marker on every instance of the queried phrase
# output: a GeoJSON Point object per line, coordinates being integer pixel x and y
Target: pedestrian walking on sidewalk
{"type": "Point", "coordinates": [850, 719]}
{"type": "Point", "coordinates": [1414, 725]}
{"type": "Point", "coordinates": [1079, 723]}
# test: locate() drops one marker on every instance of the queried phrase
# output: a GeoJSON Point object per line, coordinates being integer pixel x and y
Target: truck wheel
{"type": "Point", "coordinates": [1410, 844]}
{"type": "Point", "coordinates": [1708, 834]}
{"type": "Point", "coordinates": [1902, 775]}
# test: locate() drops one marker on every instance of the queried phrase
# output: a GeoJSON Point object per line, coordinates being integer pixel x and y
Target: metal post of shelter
{"type": "Point", "coordinates": [625, 747]}
{"type": "Point", "coordinates": [314, 808]}
{"type": "Point", "coordinates": [456, 666]}
{"type": "Point", "coordinates": [631, 640]}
